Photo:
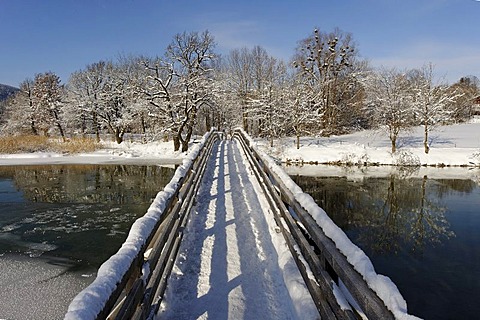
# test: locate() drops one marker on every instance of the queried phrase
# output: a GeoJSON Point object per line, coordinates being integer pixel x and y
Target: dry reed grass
{"type": "Point", "coordinates": [78, 145]}
{"type": "Point", "coordinates": [30, 144]}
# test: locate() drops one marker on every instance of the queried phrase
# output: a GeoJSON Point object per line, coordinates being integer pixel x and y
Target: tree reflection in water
{"type": "Point", "coordinates": [88, 183]}
{"type": "Point", "coordinates": [77, 212]}
{"type": "Point", "coordinates": [386, 215]}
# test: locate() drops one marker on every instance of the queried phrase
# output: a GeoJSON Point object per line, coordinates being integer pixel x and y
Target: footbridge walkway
{"type": "Point", "coordinates": [232, 237]}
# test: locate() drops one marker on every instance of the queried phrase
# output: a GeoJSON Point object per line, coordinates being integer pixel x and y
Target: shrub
{"type": "Point", "coordinates": [406, 158]}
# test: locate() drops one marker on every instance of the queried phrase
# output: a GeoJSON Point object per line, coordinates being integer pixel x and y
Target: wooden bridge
{"type": "Point", "coordinates": [219, 202]}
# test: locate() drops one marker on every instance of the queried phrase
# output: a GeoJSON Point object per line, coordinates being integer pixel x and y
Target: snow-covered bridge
{"type": "Point", "coordinates": [232, 237]}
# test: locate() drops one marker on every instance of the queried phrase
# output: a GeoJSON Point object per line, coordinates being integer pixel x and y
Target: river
{"type": "Point", "coordinates": [59, 223]}
{"type": "Point", "coordinates": [419, 226]}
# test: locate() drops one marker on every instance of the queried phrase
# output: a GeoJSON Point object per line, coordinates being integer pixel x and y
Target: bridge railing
{"type": "Point", "coordinates": [132, 282]}
{"type": "Point", "coordinates": [325, 269]}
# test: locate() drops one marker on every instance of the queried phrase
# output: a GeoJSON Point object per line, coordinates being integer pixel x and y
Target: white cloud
{"type": "Point", "coordinates": [235, 34]}
{"type": "Point", "coordinates": [451, 61]}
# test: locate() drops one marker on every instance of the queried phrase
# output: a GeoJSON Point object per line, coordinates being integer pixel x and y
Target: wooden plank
{"type": "Point", "coordinates": [131, 301]}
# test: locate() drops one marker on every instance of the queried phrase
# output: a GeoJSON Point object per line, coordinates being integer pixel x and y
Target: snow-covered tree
{"type": "Point", "coordinates": [266, 100]}
{"type": "Point", "coordinates": [390, 98]}
{"type": "Point", "coordinates": [119, 98]}
{"type": "Point", "coordinates": [47, 95]}
{"type": "Point", "coordinates": [255, 83]}
{"type": "Point", "coordinates": [300, 112]}
{"type": "Point", "coordinates": [181, 83]}
{"type": "Point", "coordinates": [328, 66]}
{"type": "Point", "coordinates": [238, 81]}
{"type": "Point", "coordinates": [431, 100]}
{"type": "Point", "coordinates": [85, 88]}
{"type": "Point", "coordinates": [108, 95]}
{"type": "Point", "coordinates": [19, 112]}
{"type": "Point", "coordinates": [227, 103]}
{"type": "Point", "coordinates": [467, 89]}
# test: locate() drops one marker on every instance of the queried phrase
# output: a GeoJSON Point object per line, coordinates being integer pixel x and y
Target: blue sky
{"type": "Point", "coordinates": [65, 35]}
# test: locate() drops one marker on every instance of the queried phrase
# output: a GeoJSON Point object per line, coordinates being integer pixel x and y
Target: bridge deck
{"type": "Point", "coordinates": [232, 264]}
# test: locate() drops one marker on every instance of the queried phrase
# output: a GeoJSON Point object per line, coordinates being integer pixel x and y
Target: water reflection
{"type": "Point", "coordinates": [75, 213]}
{"type": "Point", "coordinates": [420, 228]}
{"type": "Point", "coordinates": [385, 214]}
{"type": "Point", "coordinates": [86, 183]}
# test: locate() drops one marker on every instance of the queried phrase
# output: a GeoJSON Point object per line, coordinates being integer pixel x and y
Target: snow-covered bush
{"type": "Point", "coordinates": [476, 158]}
{"type": "Point", "coordinates": [353, 158]}
{"type": "Point", "coordinates": [406, 158]}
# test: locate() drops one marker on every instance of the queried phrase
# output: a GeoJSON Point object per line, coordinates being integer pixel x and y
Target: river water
{"type": "Point", "coordinates": [420, 229]}
{"type": "Point", "coordinates": [59, 223]}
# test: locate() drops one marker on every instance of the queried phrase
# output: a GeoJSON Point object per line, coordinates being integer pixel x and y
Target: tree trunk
{"type": "Point", "coordinates": [425, 139]}
{"type": "Point", "coordinates": [144, 129]}
{"type": "Point", "coordinates": [34, 129]}
{"type": "Point", "coordinates": [245, 121]}
{"type": "Point", "coordinates": [393, 131]}
{"type": "Point", "coordinates": [184, 145]}
{"type": "Point", "coordinates": [394, 143]}
{"type": "Point", "coordinates": [59, 125]}
{"type": "Point", "coordinates": [208, 122]}
{"type": "Point", "coordinates": [118, 135]}
{"type": "Point", "coordinates": [176, 143]}
{"type": "Point", "coordinates": [84, 126]}
{"type": "Point", "coordinates": [298, 141]}
{"type": "Point", "coordinates": [95, 125]}
{"type": "Point", "coordinates": [187, 139]}
{"type": "Point", "coordinates": [62, 134]}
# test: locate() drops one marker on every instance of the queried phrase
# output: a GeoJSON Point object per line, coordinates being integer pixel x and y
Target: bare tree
{"type": "Point", "coordinates": [430, 100]}
{"type": "Point", "coordinates": [238, 66]}
{"type": "Point", "coordinates": [254, 80]}
{"type": "Point", "coordinates": [85, 89]}
{"type": "Point", "coordinates": [180, 84]}
{"type": "Point", "coordinates": [19, 111]}
{"type": "Point", "coordinates": [47, 102]}
{"type": "Point", "coordinates": [389, 94]}
{"type": "Point", "coordinates": [301, 113]}
{"type": "Point", "coordinates": [467, 89]}
{"type": "Point", "coordinates": [118, 98]}
{"type": "Point", "coordinates": [327, 65]}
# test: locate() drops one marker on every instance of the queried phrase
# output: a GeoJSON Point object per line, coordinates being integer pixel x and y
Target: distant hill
{"type": "Point", "coordinates": [6, 91]}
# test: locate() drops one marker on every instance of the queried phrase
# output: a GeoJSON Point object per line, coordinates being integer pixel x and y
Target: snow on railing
{"type": "Point", "coordinates": [383, 286]}
{"type": "Point", "coordinates": [91, 301]}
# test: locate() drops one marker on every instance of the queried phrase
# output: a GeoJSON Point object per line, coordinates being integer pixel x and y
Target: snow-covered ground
{"type": "Point", "coordinates": [455, 145]}
{"type": "Point", "coordinates": [158, 152]}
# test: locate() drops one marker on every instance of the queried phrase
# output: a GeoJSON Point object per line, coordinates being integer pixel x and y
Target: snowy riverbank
{"type": "Point", "coordinates": [157, 152]}
{"type": "Point", "coordinates": [455, 145]}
